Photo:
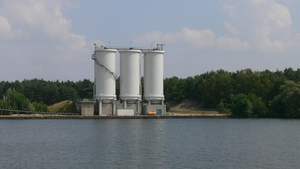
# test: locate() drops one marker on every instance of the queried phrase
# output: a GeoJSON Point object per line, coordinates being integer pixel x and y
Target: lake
{"type": "Point", "coordinates": [149, 143]}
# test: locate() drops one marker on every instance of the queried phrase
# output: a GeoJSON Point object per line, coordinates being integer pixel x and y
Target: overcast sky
{"type": "Point", "coordinates": [53, 39]}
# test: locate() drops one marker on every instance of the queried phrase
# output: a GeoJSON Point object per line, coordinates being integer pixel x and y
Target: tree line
{"type": "Point", "coordinates": [37, 94]}
{"type": "Point", "coordinates": [243, 93]}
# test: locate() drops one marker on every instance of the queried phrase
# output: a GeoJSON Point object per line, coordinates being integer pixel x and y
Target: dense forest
{"type": "Point", "coordinates": [37, 94]}
{"type": "Point", "coordinates": [243, 93]}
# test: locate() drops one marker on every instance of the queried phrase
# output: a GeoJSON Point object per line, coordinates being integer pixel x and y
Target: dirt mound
{"type": "Point", "coordinates": [190, 107]}
{"type": "Point", "coordinates": [186, 104]}
{"type": "Point", "coordinates": [64, 106]}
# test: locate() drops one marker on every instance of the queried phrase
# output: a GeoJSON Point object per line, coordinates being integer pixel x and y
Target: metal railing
{"type": "Point", "coordinates": [14, 111]}
{"type": "Point", "coordinates": [159, 47]}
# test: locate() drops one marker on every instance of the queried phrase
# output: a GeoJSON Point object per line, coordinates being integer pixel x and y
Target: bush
{"type": "Point", "coordinates": [222, 108]}
{"type": "Point", "coordinates": [4, 104]}
{"type": "Point", "coordinates": [240, 105]}
{"type": "Point", "coordinates": [168, 107]}
{"type": "Point", "coordinates": [40, 106]}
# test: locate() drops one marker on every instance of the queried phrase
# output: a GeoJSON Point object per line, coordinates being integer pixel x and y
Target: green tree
{"type": "Point", "coordinates": [290, 95]}
{"type": "Point", "coordinates": [67, 93]}
{"type": "Point", "coordinates": [247, 81]}
{"type": "Point", "coordinates": [222, 108]}
{"type": "Point", "coordinates": [174, 89]}
{"type": "Point", "coordinates": [289, 73]}
{"type": "Point", "coordinates": [40, 106]}
{"type": "Point", "coordinates": [16, 100]}
{"type": "Point", "coordinates": [85, 88]}
{"type": "Point", "coordinates": [27, 105]}
{"type": "Point", "coordinates": [268, 89]}
{"type": "Point", "coordinates": [218, 86]}
{"type": "Point", "coordinates": [4, 104]}
{"type": "Point", "coordinates": [240, 105]}
{"type": "Point", "coordinates": [259, 108]}
{"type": "Point", "coordinates": [276, 107]}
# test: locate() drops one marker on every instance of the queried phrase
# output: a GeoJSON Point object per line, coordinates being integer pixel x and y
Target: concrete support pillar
{"type": "Point", "coordinates": [138, 107]}
{"type": "Point", "coordinates": [114, 108]}
{"type": "Point", "coordinates": [149, 102]}
{"type": "Point", "coordinates": [125, 103]}
{"type": "Point", "coordinates": [100, 107]}
{"type": "Point", "coordinates": [162, 102]}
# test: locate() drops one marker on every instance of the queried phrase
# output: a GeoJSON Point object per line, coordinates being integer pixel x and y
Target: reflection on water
{"type": "Point", "coordinates": [150, 143]}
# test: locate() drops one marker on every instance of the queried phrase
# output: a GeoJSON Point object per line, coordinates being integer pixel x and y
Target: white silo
{"type": "Point", "coordinates": [105, 76]}
{"type": "Point", "coordinates": [153, 76]}
{"type": "Point", "coordinates": [130, 75]}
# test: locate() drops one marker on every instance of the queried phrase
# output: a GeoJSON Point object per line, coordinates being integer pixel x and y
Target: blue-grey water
{"type": "Point", "coordinates": [149, 143]}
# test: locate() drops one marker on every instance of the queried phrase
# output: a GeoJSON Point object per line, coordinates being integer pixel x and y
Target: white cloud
{"type": "Point", "coordinates": [280, 15]}
{"type": "Point", "coordinates": [232, 30]}
{"type": "Point", "coordinates": [35, 16]}
{"type": "Point", "coordinates": [196, 38]}
{"type": "Point", "coordinates": [233, 44]}
{"type": "Point", "coordinates": [43, 20]}
{"type": "Point", "coordinates": [157, 36]}
{"type": "Point", "coordinates": [231, 9]}
{"type": "Point", "coordinates": [264, 23]}
{"type": "Point", "coordinates": [277, 23]}
{"type": "Point", "coordinates": [272, 13]}
{"type": "Point", "coordinates": [268, 46]}
{"type": "Point", "coordinates": [263, 31]}
{"type": "Point", "coordinates": [70, 4]}
{"type": "Point", "coordinates": [259, 2]}
{"type": "Point", "coordinates": [48, 44]}
{"type": "Point", "coordinates": [6, 30]}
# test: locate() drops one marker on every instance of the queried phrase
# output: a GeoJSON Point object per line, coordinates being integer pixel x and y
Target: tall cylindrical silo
{"type": "Point", "coordinates": [153, 76]}
{"type": "Point", "coordinates": [105, 76]}
{"type": "Point", "coordinates": [130, 74]}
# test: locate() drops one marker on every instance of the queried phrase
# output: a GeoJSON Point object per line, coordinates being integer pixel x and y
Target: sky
{"type": "Point", "coordinates": [53, 40]}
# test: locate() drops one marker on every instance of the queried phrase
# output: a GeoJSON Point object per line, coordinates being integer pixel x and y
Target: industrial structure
{"type": "Point", "coordinates": [130, 101]}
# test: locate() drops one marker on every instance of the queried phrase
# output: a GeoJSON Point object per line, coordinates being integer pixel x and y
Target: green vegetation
{"type": "Point", "coordinates": [36, 94]}
{"type": "Point", "coordinates": [15, 100]}
{"type": "Point", "coordinates": [64, 106]}
{"type": "Point", "coordinates": [240, 105]}
{"type": "Point", "coordinates": [244, 93]}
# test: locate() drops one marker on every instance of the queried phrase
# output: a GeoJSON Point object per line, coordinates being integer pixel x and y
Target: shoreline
{"type": "Point", "coordinates": [108, 117]}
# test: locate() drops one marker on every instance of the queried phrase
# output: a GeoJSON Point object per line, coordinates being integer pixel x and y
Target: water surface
{"type": "Point", "coordinates": [149, 143]}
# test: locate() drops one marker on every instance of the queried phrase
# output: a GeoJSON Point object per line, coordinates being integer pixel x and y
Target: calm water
{"type": "Point", "coordinates": [150, 143]}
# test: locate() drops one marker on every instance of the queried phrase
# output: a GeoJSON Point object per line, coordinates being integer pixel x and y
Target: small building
{"type": "Point", "coordinates": [86, 107]}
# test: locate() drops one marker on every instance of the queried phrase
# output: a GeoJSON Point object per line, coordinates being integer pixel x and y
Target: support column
{"type": "Point", "coordinates": [125, 103]}
{"type": "Point", "coordinates": [138, 107]}
{"type": "Point", "coordinates": [114, 108]}
{"type": "Point", "coordinates": [100, 107]}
